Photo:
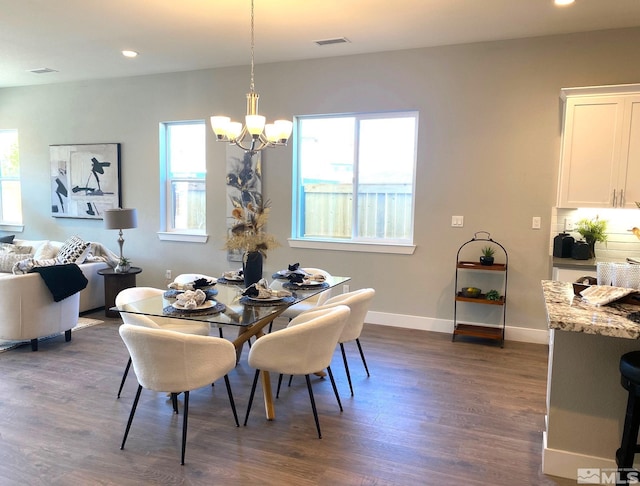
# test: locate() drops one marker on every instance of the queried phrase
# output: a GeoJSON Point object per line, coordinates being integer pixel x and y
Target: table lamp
{"type": "Point", "coordinates": [120, 218]}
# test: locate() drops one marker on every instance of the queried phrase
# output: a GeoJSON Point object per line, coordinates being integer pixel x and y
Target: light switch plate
{"type": "Point", "coordinates": [535, 222]}
{"type": "Point", "coordinates": [457, 221]}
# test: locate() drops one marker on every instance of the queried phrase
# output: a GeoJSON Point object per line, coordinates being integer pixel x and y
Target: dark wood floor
{"type": "Point", "coordinates": [433, 413]}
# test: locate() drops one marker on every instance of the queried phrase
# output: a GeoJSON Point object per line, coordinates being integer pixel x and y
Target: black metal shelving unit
{"type": "Point", "coordinates": [493, 332]}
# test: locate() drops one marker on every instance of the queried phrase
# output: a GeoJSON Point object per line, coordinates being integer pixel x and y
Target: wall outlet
{"type": "Point", "coordinates": [167, 274]}
{"type": "Point", "coordinates": [345, 289]}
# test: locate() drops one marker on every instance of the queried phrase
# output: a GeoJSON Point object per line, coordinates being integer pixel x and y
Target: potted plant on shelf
{"type": "Point", "coordinates": [487, 256]}
{"type": "Point", "coordinates": [593, 231]}
{"type": "Point", "coordinates": [123, 266]}
{"type": "Point", "coordinates": [247, 234]}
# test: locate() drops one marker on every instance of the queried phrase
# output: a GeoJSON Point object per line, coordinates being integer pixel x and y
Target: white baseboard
{"type": "Point", "coordinates": [512, 333]}
{"type": "Point", "coordinates": [565, 464]}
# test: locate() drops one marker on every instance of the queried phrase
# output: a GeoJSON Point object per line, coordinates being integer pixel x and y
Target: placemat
{"type": "Point", "coordinates": [285, 300]}
{"type": "Point", "coordinates": [216, 309]}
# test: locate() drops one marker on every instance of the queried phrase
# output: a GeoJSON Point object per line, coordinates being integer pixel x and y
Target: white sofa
{"type": "Point", "coordinates": [92, 297]}
{"type": "Point", "coordinates": [29, 311]}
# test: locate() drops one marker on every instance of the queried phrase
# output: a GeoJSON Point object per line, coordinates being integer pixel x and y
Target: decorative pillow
{"type": "Point", "coordinates": [8, 260]}
{"type": "Point", "coordinates": [9, 248]}
{"type": "Point", "coordinates": [46, 251]}
{"type": "Point", "coordinates": [7, 239]}
{"type": "Point", "coordinates": [74, 250]}
{"type": "Point", "coordinates": [25, 266]}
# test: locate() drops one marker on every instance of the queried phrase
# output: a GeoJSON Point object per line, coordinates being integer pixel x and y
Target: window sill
{"type": "Point", "coordinates": [185, 237]}
{"type": "Point", "coordinates": [18, 228]}
{"type": "Point", "coordinates": [353, 246]}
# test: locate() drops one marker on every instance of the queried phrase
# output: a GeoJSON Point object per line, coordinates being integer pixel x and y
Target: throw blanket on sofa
{"type": "Point", "coordinates": [62, 280]}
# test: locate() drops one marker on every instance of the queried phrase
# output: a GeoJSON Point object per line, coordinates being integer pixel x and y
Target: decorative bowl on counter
{"type": "Point", "coordinates": [472, 292]}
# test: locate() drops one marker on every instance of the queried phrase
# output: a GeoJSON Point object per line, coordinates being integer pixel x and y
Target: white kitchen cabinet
{"type": "Point", "coordinates": [600, 155]}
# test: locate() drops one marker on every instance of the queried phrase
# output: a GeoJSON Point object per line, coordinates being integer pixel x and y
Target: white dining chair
{"type": "Point", "coordinates": [313, 301]}
{"type": "Point", "coordinates": [359, 302]}
{"type": "Point", "coordinates": [134, 294]}
{"type": "Point", "coordinates": [302, 348]}
{"type": "Point", "coordinates": [169, 361]}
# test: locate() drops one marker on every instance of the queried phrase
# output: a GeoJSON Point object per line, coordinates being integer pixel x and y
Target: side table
{"type": "Point", "coordinates": [114, 282]}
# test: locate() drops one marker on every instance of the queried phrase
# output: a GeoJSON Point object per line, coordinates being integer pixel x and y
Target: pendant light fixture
{"type": "Point", "coordinates": [256, 134]}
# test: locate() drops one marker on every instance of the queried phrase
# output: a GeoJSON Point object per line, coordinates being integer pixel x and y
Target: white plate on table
{"type": "Point", "coordinates": [265, 299]}
{"type": "Point", "coordinates": [207, 304]}
{"type": "Point", "coordinates": [310, 282]}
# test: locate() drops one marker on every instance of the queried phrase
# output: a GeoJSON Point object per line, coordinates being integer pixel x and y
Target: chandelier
{"type": "Point", "coordinates": [256, 131]}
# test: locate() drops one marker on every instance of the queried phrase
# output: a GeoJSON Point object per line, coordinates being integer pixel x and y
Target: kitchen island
{"type": "Point", "coordinates": [585, 401]}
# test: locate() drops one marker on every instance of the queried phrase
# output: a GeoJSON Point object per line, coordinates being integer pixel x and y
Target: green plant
{"type": "Point", "coordinates": [592, 230]}
{"type": "Point", "coordinates": [124, 261]}
{"type": "Point", "coordinates": [493, 295]}
{"type": "Point", "coordinates": [488, 251]}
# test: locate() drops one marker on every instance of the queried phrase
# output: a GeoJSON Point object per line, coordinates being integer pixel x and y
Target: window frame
{"type": "Point", "coordinates": [360, 244]}
{"type": "Point", "coordinates": [7, 225]}
{"type": "Point", "coordinates": [167, 230]}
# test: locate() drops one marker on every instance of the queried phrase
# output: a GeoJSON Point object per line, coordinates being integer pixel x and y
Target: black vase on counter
{"type": "Point", "coordinates": [563, 245]}
{"type": "Point", "coordinates": [581, 250]}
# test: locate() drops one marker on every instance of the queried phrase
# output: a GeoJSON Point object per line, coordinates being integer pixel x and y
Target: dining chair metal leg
{"type": "Point", "coordinates": [364, 361]}
{"type": "Point", "coordinates": [174, 402]}
{"type": "Point", "coordinates": [335, 388]}
{"type": "Point", "coordinates": [231, 401]}
{"type": "Point", "coordinates": [124, 376]}
{"type": "Point", "coordinates": [346, 367]}
{"type": "Point", "coordinates": [131, 414]}
{"type": "Point", "coordinates": [279, 384]}
{"type": "Point", "coordinates": [184, 425]}
{"type": "Point", "coordinates": [253, 391]}
{"type": "Point", "coordinates": [313, 406]}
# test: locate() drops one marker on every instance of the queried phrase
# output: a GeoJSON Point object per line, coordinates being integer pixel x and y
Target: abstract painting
{"type": "Point", "coordinates": [85, 179]}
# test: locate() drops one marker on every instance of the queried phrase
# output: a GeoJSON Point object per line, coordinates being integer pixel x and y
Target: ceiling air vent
{"type": "Point", "coordinates": [337, 40]}
{"type": "Point", "coordinates": [42, 70]}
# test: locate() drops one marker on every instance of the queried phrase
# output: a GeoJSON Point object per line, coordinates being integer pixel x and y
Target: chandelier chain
{"type": "Point", "coordinates": [252, 85]}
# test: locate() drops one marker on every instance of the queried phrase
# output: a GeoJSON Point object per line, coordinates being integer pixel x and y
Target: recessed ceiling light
{"type": "Point", "coordinates": [336, 40]}
{"type": "Point", "coordinates": [126, 53]}
{"type": "Point", "coordinates": [562, 3]}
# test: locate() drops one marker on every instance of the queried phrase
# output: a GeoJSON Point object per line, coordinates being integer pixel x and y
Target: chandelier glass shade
{"type": "Point", "coordinates": [256, 134]}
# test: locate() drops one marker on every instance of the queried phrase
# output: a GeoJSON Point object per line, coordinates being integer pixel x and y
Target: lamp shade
{"type": "Point", "coordinates": [120, 218]}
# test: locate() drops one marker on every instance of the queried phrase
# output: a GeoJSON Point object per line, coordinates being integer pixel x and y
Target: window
{"type": "Point", "coordinates": [183, 169]}
{"type": "Point", "coordinates": [10, 195]}
{"type": "Point", "coordinates": [371, 156]}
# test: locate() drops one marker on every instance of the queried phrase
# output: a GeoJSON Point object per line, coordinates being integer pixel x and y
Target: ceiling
{"type": "Point", "coordinates": [83, 39]}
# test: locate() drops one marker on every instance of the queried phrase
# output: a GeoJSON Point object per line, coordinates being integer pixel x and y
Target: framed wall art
{"type": "Point", "coordinates": [244, 185]}
{"type": "Point", "coordinates": [85, 179]}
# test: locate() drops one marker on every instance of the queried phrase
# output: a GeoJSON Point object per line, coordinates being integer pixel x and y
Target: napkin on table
{"type": "Point", "coordinates": [302, 279]}
{"type": "Point", "coordinates": [196, 284]}
{"type": "Point", "coordinates": [191, 298]}
{"type": "Point", "coordinates": [261, 290]}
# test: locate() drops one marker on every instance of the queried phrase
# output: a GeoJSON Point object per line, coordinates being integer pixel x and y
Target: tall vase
{"type": "Point", "coordinates": [592, 248]}
{"type": "Point", "coordinates": [252, 267]}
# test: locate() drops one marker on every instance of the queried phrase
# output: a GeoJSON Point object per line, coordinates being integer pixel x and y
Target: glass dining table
{"type": "Point", "coordinates": [226, 306]}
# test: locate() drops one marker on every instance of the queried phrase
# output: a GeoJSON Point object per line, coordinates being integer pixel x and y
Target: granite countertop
{"type": "Point", "coordinates": [568, 312]}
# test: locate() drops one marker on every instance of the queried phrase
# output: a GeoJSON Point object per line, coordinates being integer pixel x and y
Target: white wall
{"type": "Point", "coordinates": [488, 149]}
